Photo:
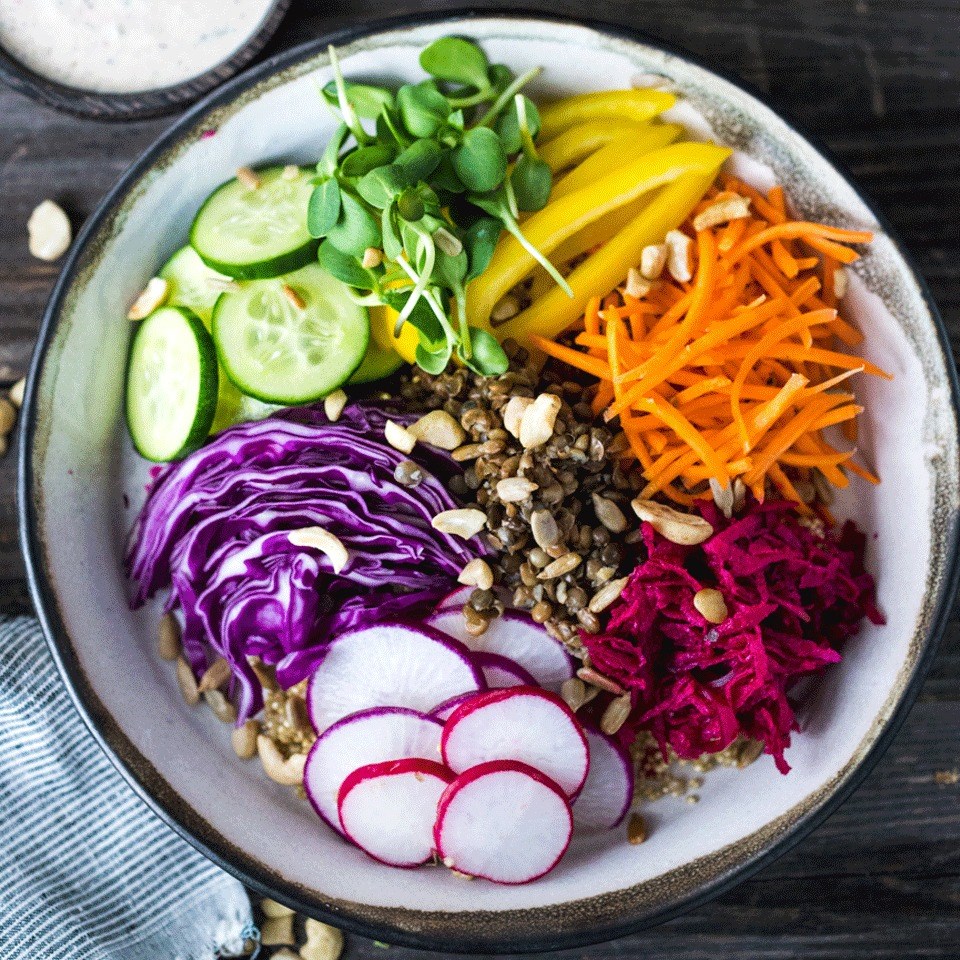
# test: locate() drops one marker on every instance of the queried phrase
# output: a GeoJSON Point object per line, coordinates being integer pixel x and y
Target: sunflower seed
{"type": "Point", "coordinates": [464, 523]}
{"type": "Point", "coordinates": [539, 419]}
{"type": "Point", "coordinates": [323, 941]}
{"type": "Point", "coordinates": [372, 258]}
{"type": "Point", "coordinates": [544, 529]}
{"type": "Point", "coordinates": [400, 438]}
{"type": "Point", "coordinates": [678, 255]}
{"type": "Point", "coordinates": [607, 595]}
{"type": "Point", "coordinates": [722, 497]}
{"type": "Point", "coordinates": [653, 259]}
{"type": "Point", "coordinates": [616, 714]}
{"type": "Point", "coordinates": [504, 309]}
{"type": "Point", "coordinates": [16, 392]}
{"type": "Point", "coordinates": [215, 676]}
{"type": "Point", "coordinates": [248, 178]}
{"type": "Point", "coordinates": [168, 637]}
{"type": "Point", "coordinates": [277, 931]}
{"type": "Point", "coordinates": [637, 285]}
{"type": "Point", "coordinates": [609, 514]}
{"type": "Point", "coordinates": [333, 405]}
{"type": "Point", "coordinates": [438, 429]}
{"type": "Point", "coordinates": [187, 683]}
{"type": "Point", "coordinates": [683, 528]}
{"type": "Point", "coordinates": [574, 693]}
{"type": "Point", "coordinates": [636, 829]}
{"type": "Point", "coordinates": [513, 413]}
{"type": "Point", "coordinates": [244, 740]}
{"type": "Point", "coordinates": [723, 211]}
{"type": "Point", "coordinates": [153, 295]}
{"type": "Point", "coordinates": [293, 297]}
{"type": "Point", "coordinates": [515, 489]}
{"type": "Point", "coordinates": [49, 231]}
{"type": "Point", "coordinates": [711, 605]}
{"type": "Point", "coordinates": [284, 770]}
{"type": "Point", "coordinates": [560, 566]}
{"type": "Point", "coordinates": [595, 679]}
{"type": "Point", "coordinates": [477, 573]}
{"type": "Point", "coordinates": [221, 707]}
{"type": "Point", "coordinates": [290, 172]}
{"type": "Point", "coordinates": [317, 538]}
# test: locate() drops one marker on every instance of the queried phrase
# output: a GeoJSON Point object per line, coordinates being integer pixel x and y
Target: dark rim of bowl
{"type": "Point", "coordinates": [141, 105]}
{"type": "Point", "coordinates": [134, 767]}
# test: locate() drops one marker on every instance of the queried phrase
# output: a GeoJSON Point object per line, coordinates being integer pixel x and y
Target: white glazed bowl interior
{"type": "Point", "coordinates": [85, 485]}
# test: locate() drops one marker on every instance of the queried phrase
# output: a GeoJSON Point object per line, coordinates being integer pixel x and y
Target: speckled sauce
{"type": "Point", "coordinates": [126, 46]}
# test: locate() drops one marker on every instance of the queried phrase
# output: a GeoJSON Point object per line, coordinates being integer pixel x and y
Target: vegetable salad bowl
{"type": "Point", "coordinates": [81, 484]}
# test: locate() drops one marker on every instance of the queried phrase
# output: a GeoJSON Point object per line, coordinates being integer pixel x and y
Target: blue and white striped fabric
{"type": "Point", "coordinates": [87, 871]}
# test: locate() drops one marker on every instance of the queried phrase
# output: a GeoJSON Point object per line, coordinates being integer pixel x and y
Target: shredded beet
{"type": "Point", "coordinates": [792, 596]}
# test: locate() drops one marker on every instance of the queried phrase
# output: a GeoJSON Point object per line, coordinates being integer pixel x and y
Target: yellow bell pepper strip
{"type": "Point", "coordinates": [614, 106]}
{"type": "Point", "coordinates": [382, 322]}
{"type": "Point", "coordinates": [561, 219]}
{"type": "Point", "coordinates": [553, 313]}
{"type": "Point", "coordinates": [619, 150]}
{"type": "Point", "coordinates": [573, 145]}
{"type": "Point", "coordinates": [594, 234]}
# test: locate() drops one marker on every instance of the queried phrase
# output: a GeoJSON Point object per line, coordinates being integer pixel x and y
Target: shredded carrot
{"type": "Point", "coordinates": [734, 373]}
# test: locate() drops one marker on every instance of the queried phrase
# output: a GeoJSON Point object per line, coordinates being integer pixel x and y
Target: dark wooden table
{"type": "Point", "coordinates": [880, 83]}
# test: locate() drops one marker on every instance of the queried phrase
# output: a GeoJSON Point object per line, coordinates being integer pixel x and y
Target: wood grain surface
{"type": "Point", "coordinates": [879, 82]}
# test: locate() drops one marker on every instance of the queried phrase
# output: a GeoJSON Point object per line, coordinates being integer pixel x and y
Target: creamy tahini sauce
{"type": "Point", "coordinates": [126, 46]}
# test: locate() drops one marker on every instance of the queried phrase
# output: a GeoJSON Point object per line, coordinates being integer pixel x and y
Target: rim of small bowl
{"type": "Point", "coordinates": [137, 770]}
{"type": "Point", "coordinates": [139, 105]}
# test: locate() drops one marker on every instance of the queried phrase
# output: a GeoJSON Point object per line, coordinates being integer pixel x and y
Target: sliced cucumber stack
{"type": "Point", "coordinates": [292, 339]}
{"type": "Point", "coordinates": [254, 233]}
{"type": "Point", "coordinates": [171, 384]}
{"type": "Point", "coordinates": [192, 283]}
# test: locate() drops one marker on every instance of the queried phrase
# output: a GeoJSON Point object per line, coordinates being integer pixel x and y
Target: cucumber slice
{"type": "Point", "coordinates": [377, 364]}
{"type": "Point", "coordinates": [190, 284]}
{"type": "Point", "coordinates": [171, 384]}
{"type": "Point", "coordinates": [276, 351]}
{"type": "Point", "coordinates": [253, 234]}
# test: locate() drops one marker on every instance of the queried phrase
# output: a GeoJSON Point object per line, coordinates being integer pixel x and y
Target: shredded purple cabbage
{"type": "Point", "coordinates": [214, 530]}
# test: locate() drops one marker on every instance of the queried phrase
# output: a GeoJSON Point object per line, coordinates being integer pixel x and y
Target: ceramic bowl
{"type": "Point", "coordinates": [81, 485]}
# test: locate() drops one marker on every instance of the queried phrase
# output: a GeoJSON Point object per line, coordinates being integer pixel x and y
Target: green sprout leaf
{"type": "Point", "coordinates": [434, 361]}
{"type": "Point", "coordinates": [410, 205]}
{"type": "Point", "coordinates": [479, 242]}
{"type": "Point", "coordinates": [368, 102]}
{"type": "Point", "coordinates": [423, 109]}
{"type": "Point", "coordinates": [488, 358]}
{"type": "Point", "coordinates": [419, 160]}
{"type": "Point", "coordinates": [531, 180]}
{"type": "Point", "coordinates": [328, 162]}
{"type": "Point", "coordinates": [480, 161]}
{"type": "Point", "coordinates": [392, 245]}
{"type": "Point", "coordinates": [390, 128]}
{"type": "Point", "coordinates": [382, 185]}
{"type": "Point", "coordinates": [344, 267]}
{"type": "Point", "coordinates": [508, 125]}
{"type": "Point", "coordinates": [356, 229]}
{"type": "Point", "coordinates": [323, 210]}
{"type": "Point", "coordinates": [364, 159]}
{"type": "Point", "coordinates": [456, 60]}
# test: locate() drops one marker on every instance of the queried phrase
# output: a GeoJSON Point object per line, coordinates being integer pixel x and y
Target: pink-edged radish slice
{"type": "Point", "coordinates": [371, 736]}
{"type": "Point", "coordinates": [526, 724]}
{"type": "Point", "coordinates": [457, 598]}
{"type": "Point", "coordinates": [500, 672]}
{"type": "Point", "coordinates": [503, 821]}
{"type": "Point", "coordinates": [516, 636]}
{"type": "Point", "coordinates": [388, 809]}
{"type": "Point", "coordinates": [443, 711]}
{"type": "Point", "coordinates": [389, 665]}
{"type": "Point", "coordinates": [606, 796]}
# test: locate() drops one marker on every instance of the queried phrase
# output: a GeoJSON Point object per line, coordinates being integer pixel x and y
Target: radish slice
{"type": "Point", "coordinates": [521, 723]}
{"type": "Point", "coordinates": [389, 665]}
{"type": "Point", "coordinates": [500, 672]}
{"type": "Point", "coordinates": [371, 736]}
{"type": "Point", "coordinates": [388, 809]}
{"type": "Point", "coordinates": [503, 821]}
{"type": "Point", "coordinates": [606, 796]}
{"type": "Point", "coordinates": [444, 710]}
{"type": "Point", "coordinates": [516, 636]}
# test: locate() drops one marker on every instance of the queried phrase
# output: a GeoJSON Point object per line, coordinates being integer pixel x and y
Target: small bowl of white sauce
{"type": "Point", "coordinates": [126, 59]}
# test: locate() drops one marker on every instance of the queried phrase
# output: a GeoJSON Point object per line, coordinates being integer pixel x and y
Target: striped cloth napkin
{"type": "Point", "coordinates": [87, 871]}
